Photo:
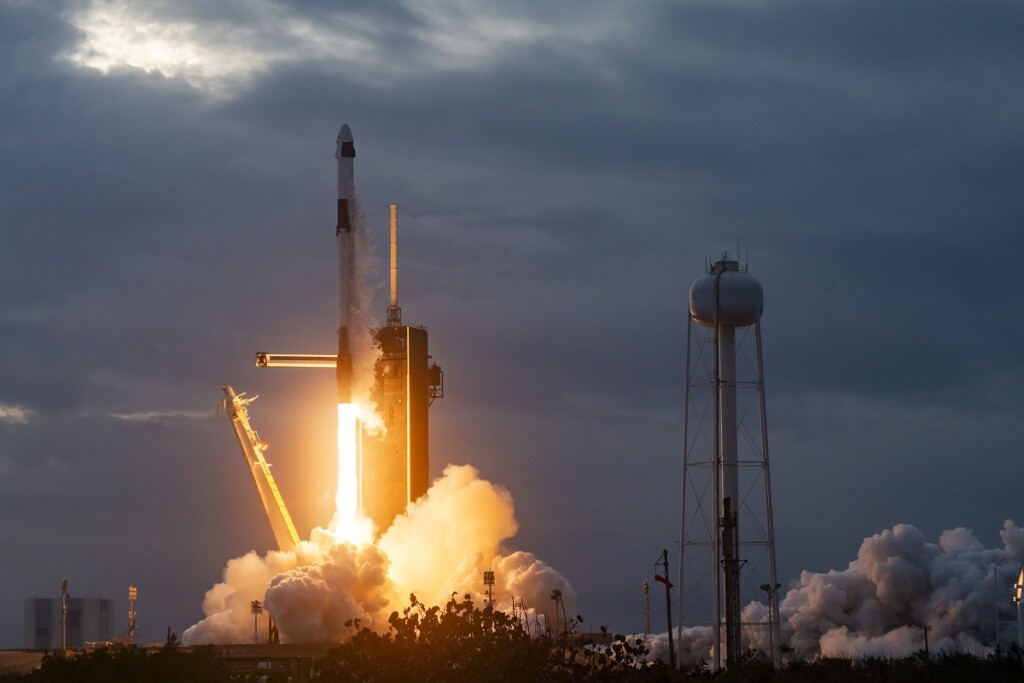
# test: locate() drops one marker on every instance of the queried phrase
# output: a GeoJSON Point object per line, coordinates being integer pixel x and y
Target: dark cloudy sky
{"type": "Point", "coordinates": [563, 171]}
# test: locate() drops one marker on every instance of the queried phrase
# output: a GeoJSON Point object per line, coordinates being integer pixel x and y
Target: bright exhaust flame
{"type": "Point", "coordinates": [349, 524]}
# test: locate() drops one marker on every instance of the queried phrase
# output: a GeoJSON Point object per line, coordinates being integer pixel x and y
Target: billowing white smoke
{"type": "Point", "coordinates": [313, 602]}
{"type": "Point", "coordinates": [881, 603]}
{"type": "Point", "coordinates": [898, 585]}
{"type": "Point", "coordinates": [442, 545]}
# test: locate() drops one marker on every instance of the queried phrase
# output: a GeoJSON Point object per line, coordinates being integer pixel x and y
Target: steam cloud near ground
{"type": "Point", "coordinates": [881, 603]}
{"type": "Point", "coordinates": [441, 545]}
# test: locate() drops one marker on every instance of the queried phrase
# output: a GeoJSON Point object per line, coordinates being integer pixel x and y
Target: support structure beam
{"type": "Point", "coordinates": [252, 448]}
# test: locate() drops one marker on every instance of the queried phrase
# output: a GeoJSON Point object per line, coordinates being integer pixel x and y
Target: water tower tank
{"type": "Point", "coordinates": [736, 295]}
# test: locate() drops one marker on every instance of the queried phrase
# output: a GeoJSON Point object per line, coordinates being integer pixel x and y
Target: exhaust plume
{"type": "Point", "coordinates": [882, 602]}
{"type": "Point", "coordinates": [898, 585]}
{"type": "Point", "coordinates": [441, 545]}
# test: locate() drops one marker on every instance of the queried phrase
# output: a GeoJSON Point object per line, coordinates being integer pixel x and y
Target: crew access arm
{"type": "Point", "coordinates": [252, 448]}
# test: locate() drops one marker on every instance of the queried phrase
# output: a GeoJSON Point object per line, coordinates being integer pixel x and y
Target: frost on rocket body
{"type": "Point", "coordinates": [880, 604]}
{"type": "Point", "coordinates": [441, 545]}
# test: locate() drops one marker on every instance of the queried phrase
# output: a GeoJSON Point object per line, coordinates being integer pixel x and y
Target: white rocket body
{"type": "Point", "coordinates": [345, 154]}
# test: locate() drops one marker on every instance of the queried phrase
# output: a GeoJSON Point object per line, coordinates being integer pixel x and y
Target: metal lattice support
{"type": "Point", "coordinates": [727, 541]}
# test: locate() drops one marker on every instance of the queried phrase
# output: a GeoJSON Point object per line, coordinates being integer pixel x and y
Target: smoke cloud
{"type": "Point", "coordinates": [362, 323]}
{"type": "Point", "coordinates": [882, 602]}
{"type": "Point", "coordinates": [898, 585]}
{"type": "Point", "coordinates": [441, 545]}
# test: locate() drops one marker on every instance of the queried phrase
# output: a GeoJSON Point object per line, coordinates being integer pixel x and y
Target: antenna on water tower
{"type": "Point", "coordinates": [727, 534]}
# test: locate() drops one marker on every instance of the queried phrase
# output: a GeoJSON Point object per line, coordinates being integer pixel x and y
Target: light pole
{"type": "Point", "coordinates": [133, 593]}
{"type": "Point", "coordinates": [257, 610]}
{"type": "Point", "coordinates": [1018, 597]}
{"type": "Point", "coordinates": [489, 584]}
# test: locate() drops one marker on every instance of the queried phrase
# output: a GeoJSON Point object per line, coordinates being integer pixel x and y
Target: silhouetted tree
{"type": "Point", "coordinates": [129, 664]}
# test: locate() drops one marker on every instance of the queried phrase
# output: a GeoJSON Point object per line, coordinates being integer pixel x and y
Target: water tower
{"type": "Point", "coordinates": [727, 544]}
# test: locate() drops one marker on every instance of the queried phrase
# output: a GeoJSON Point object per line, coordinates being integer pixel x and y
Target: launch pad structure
{"type": "Point", "coordinates": [393, 466]}
{"type": "Point", "coordinates": [236, 407]}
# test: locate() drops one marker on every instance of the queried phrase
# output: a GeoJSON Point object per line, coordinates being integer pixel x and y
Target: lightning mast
{"type": "Point", "coordinates": [252, 448]}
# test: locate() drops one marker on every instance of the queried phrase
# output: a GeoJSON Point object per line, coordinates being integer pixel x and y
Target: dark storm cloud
{"type": "Point", "coordinates": [559, 192]}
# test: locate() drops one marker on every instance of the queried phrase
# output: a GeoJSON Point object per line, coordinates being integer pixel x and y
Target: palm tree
{"type": "Point", "coordinates": [556, 595]}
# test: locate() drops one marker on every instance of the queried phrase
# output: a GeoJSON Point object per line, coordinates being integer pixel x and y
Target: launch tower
{"type": "Point", "coordinates": [395, 464]}
{"type": "Point", "coordinates": [727, 537]}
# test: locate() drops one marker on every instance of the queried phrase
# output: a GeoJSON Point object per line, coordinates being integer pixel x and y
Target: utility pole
{"type": "Point", "coordinates": [668, 607]}
{"type": "Point", "coordinates": [647, 608]}
{"type": "Point", "coordinates": [64, 616]}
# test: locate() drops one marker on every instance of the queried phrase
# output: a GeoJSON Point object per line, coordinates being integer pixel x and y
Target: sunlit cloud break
{"type": "Point", "coordinates": [222, 56]}
{"type": "Point", "coordinates": [14, 413]}
{"type": "Point", "coordinates": [121, 33]}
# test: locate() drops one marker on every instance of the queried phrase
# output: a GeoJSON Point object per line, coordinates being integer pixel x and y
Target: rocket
{"type": "Point", "coordinates": [345, 153]}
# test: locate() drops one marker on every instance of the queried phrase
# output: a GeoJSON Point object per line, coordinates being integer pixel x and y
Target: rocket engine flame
{"type": "Point", "coordinates": [349, 525]}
